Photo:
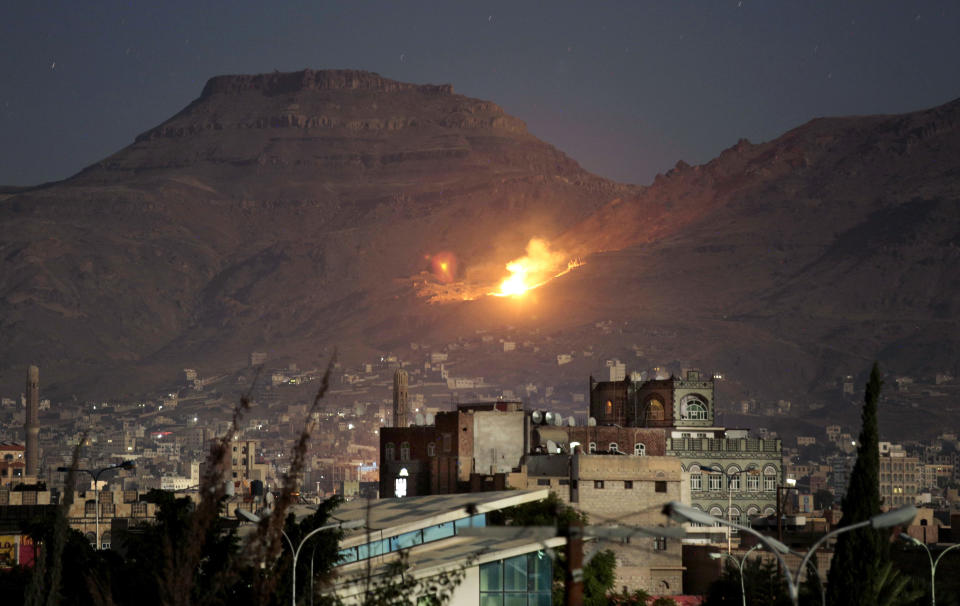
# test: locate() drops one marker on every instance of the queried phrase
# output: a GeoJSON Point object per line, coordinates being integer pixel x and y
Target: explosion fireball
{"type": "Point", "coordinates": [539, 266]}
{"type": "Point", "coordinates": [444, 282]}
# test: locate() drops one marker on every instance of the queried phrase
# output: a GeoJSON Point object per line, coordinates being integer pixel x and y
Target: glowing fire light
{"type": "Point", "coordinates": [538, 267]}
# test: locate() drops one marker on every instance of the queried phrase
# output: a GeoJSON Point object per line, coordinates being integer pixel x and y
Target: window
{"type": "Point", "coordinates": [696, 411]}
{"type": "Point", "coordinates": [431, 449]}
{"type": "Point", "coordinates": [609, 408]}
{"type": "Point", "coordinates": [714, 481]}
{"type": "Point", "coordinates": [388, 452]}
{"type": "Point", "coordinates": [660, 543]}
{"type": "Point", "coordinates": [660, 486]}
{"type": "Point", "coordinates": [628, 484]}
{"type": "Point", "coordinates": [612, 447]}
{"type": "Point", "coordinates": [598, 484]}
{"type": "Point", "coordinates": [139, 509]}
{"type": "Point", "coordinates": [654, 409]}
{"type": "Point", "coordinates": [405, 451]}
{"type": "Point", "coordinates": [525, 579]}
{"type": "Point", "coordinates": [733, 481]}
{"type": "Point", "coordinates": [593, 447]}
{"type": "Point", "coordinates": [639, 449]}
{"type": "Point", "coordinates": [90, 509]}
{"type": "Point", "coordinates": [446, 442]}
{"type": "Point", "coordinates": [753, 482]}
{"type": "Point", "coordinates": [696, 482]}
{"type": "Point", "coordinates": [543, 482]}
{"type": "Point", "coordinates": [769, 483]}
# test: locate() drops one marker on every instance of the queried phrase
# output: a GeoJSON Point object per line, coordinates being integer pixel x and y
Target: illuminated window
{"type": "Point", "coordinates": [654, 409]}
{"type": "Point", "coordinates": [593, 447]}
{"type": "Point", "coordinates": [612, 447]}
{"type": "Point", "coordinates": [639, 449]}
{"type": "Point", "coordinates": [609, 408]}
{"type": "Point", "coordinates": [431, 449]}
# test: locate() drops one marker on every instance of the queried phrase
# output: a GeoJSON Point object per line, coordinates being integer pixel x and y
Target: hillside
{"type": "Point", "coordinates": [298, 212]}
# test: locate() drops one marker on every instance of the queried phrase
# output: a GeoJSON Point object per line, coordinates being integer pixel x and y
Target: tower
{"type": "Point", "coordinates": [400, 381]}
{"type": "Point", "coordinates": [33, 424]}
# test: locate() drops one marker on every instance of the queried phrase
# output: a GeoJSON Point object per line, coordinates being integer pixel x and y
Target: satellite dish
{"type": "Point", "coordinates": [592, 422]}
{"type": "Point", "coordinates": [571, 421]}
{"type": "Point", "coordinates": [552, 447]}
{"type": "Point", "coordinates": [536, 416]}
{"type": "Point", "coordinates": [548, 418]}
{"type": "Point", "coordinates": [558, 420]}
{"type": "Point", "coordinates": [418, 419]}
{"type": "Point", "coordinates": [270, 498]}
{"type": "Point", "coordinates": [430, 418]}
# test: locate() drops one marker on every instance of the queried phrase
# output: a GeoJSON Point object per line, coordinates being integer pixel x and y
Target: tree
{"type": "Point", "coordinates": [860, 555]}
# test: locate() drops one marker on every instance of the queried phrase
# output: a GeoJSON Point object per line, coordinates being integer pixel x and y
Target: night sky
{"type": "Point", "coordinates": [626, 88]}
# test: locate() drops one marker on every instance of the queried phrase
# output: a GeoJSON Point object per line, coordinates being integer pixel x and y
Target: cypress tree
{"type": "Point", "coordinates": [860, 554]}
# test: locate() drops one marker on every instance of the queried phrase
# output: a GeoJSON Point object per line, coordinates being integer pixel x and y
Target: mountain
{"type": "Point", "coordinates": [297, 212]}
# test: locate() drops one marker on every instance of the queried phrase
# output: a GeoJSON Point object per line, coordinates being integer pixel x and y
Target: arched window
{"type": "Point", "coordinates": [717, 513]}
{"type": "Point", "coordinates": [91, 538]}
{"type": "Point", "coordinates": [769, 478]}
{"type": "Point", "coordinates": [105, 539]}
{"type": "Point", "coordinates": [431, 449]}
{"type": "Point", "coordinates": [696, 479]}
{"type": "Point", "coordinates": [593, 447]}
{"type": "Point", "coordinates": [405, 451]}
{"type": "Point", "coordinates": [639, 449]}
{"type": "Point", "coordinates": [753, 511]}
{"type": "Point", "coordinates": [609, 408]}
{"type": "Point", "coordinates": [612, 447]}
{"type": "Point", "coordinates": [389, 452]}
{"type": "Point", "coordinates": [90, 509]}
{"type": "Point", "coordinates": [654, 409]}
{"type": "Point", "coordinates": [694, 409]}
{"type": "Point", "coordinates": [733, 477]}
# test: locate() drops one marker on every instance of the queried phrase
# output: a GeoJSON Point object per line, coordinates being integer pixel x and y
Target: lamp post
{"type": "Point", "coordinates": [96, 486]}
{"type": "Point", "coordinates": [296, 552]}
{"type": "Point", "coordinates": [933, 563]}
{"type": "Point", "coordinates": [684, 513]}
{"type": "Point", "coordinates": [739, 562]}
{"type": "Point", "coordinates": [729, 500]}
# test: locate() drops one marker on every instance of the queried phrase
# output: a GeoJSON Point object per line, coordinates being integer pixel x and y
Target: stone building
{"type": "Point", "coordinates": [482, 442]}
{"type": "Point", "coordinates": [730, 473]}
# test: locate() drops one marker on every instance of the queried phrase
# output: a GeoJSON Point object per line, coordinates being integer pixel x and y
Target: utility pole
{"type": "Point", "coordinates": [573, 582]}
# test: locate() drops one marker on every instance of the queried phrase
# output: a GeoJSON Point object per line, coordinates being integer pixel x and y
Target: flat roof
{"type": "Point", "coordinates": [390, 517]}
{"type": "Point", "coordinates": [431, 559]}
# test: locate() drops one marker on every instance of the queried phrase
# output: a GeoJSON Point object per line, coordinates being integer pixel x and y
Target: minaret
{"type": "Point", "coordinates": [33, 424]}
{"type": "Point", "coordinates": [400, 381]}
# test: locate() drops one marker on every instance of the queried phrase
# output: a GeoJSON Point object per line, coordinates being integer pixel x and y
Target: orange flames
{"type": "Point", "coordinates": [444, 282]}
{"type": "Point", "coordinates": [539, 266]}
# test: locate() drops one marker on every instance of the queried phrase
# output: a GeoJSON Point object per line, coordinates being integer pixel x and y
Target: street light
{"type": "Point", "coordinates": [96, 486]}
{"type": "Point", "coordinates": [739, 562]}
{"type": "Point", "coordinates": [933, 563]}
{"type": "Point", "coordinates": [684, 513]}
{"type": "Point", "coordinates": [719, 469]}
{"type": "Point", "coordinates": [296, 552]}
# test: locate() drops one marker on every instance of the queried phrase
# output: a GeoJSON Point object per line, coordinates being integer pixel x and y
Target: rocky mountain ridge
{"type": "Point", "coordinates": [294, 212]}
